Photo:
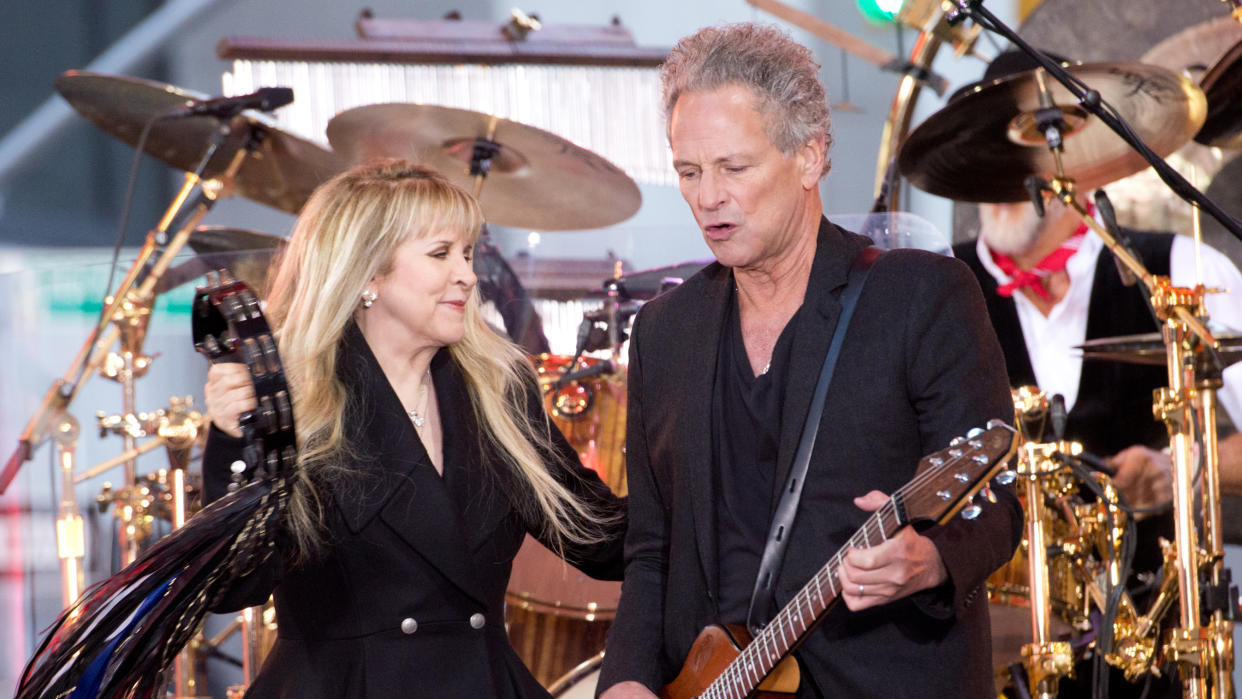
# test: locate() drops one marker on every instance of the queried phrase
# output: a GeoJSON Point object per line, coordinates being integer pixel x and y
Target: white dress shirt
{"type": "Point", "coordinates": [1050, 340]}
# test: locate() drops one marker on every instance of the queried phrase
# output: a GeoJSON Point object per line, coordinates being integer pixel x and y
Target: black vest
{"type": "Point", "coordinates": [1114, 405]}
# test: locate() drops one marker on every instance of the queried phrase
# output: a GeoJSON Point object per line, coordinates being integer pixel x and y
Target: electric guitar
{"type": "Point", "coordinates": [717, 665]}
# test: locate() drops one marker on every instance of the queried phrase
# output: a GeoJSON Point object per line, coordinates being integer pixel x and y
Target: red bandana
{"type": "Point", "coordinates": [1055, 261]}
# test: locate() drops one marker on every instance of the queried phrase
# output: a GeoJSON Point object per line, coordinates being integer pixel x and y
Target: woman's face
{"type": "Point", "coordinates": [423, 296]}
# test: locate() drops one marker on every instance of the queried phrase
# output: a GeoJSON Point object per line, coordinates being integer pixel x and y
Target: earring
{"type": "Point", "coordinates": [368, 298]}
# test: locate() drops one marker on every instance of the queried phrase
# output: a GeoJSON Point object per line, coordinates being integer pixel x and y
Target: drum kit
{"type": "Point", "coordinates": [985, 146]}
{"type": "Point", "coordinates": [1025, 137]}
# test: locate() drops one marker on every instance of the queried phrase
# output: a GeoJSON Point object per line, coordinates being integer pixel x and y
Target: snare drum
{"type": "Point", "coordinates": [557, 617]}
{"type": "Point", "coordinates": [581, 681]}
{"type": "Point", "coordinates": [591, 414]}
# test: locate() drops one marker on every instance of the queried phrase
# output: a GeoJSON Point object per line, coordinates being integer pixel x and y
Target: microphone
{"type": "Point", "coordinates": [265, 99]}
{"type": "Point", "coordinates": [1048, 118]}
{"type": "Point", "coordinates": [1105, 207]}
{"type": "Point", "coordinates": [1059, 416]}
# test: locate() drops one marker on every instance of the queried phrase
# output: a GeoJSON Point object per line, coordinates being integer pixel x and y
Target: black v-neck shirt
{"type": "Point", "coordinates": [746, 428]}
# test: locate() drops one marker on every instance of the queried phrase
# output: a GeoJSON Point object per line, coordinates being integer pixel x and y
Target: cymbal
{"type": "Point", "coordinates": [281, 174]}
{"type": "Point", "coordinates": [1148, 348]}
{"type": "Point", "coordinates": [537, 180]}
{"type": "Point", "coordinates": [1194, 49]}
{"type": "Point", "coordinates": [245, 254]}
{"type": "Point", "coordinates": [982, 146]}
{"type": "Point", "coordinates": [209, 239]}
{"type": "Point", "coordinates": [646, 284]}
{"type": "Point", "coordinates": [1222, 84]}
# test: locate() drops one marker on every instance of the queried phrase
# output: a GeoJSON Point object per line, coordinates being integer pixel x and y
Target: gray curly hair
{"type": "Point", "coordinates": [782, 74]}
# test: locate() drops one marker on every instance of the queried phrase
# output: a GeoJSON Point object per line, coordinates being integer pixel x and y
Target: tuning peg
{"type": "Point", "coordinates": [1007, 477]}
{"type": "Point", "coordinates": [987, 493]}
{"type": "Point", "coordinates": [974, 432]}
{"type": "Point", "coordinates": [971, 511]}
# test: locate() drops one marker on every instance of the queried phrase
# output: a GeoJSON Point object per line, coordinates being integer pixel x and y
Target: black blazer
{"type": "Point", "coordinates": [920, 365]}
{"type": "Point", "coordinates": [408, 598]}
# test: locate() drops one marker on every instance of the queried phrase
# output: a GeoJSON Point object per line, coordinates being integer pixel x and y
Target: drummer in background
{"type": "Point", "coordinates": [721, 375]}
{"type": "Point", "coordinates": [425, 455]}
{"type": "Point", "coordinates": [1050, 285]}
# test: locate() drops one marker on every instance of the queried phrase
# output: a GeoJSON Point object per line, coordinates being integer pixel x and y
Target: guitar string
{"type": "Point", "coordinates": [784, 617]}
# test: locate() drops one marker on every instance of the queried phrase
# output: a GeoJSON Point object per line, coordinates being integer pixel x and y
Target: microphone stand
{"type": "Point", "coordinates": [1203, 652]}
{"type": "Point", "coordinates": [128, 311]}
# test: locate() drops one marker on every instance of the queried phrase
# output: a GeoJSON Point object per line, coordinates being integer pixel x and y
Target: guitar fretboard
{"type": "Point", "coordinates": [811, 603]}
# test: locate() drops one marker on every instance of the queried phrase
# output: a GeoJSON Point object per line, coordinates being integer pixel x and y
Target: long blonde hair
{"type": "Point", "coordinates": [345, 236]}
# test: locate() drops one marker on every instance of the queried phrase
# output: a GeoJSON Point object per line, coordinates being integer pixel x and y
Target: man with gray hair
{"type": "Point", "coordinates": [721, 376]}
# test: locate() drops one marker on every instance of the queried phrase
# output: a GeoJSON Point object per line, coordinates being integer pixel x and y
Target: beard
{"type": "Point", "coordinates": [1010, 229]}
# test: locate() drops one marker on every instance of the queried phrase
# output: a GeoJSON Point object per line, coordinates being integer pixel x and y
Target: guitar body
{"type": "Point", "coordinates": [711, 653]}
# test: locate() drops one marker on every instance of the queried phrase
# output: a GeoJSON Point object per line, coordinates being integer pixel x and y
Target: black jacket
{"type": "Point", "coordinates": [407, 600]}
{"type": "Point", "coordinates": [919, 366]}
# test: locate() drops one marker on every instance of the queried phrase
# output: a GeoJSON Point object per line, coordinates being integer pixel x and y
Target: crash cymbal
{"type": "Point", "coordinates": [209, 239]}
{"type": "Point", "coordinates": [1148, 348]}
{"type": "Point", "coordinates": [983, 145]}
{"type": "Point", "coordinates": [1222, 84]}
{"type": "Point", "coordinates": [537, 180]}
{"type": "Point", "coordinates": [245, 254]}
{"type": "Point", "coordinates": [1209, 53]}
{"type": "Point", "coordinates": [1196, 48]}
{"type": "Point", "coordinates": [281, 174]}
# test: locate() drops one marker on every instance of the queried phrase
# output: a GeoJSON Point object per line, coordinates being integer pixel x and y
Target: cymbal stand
{"type": "Point", "coordinates": [70, 529]}
{"type": "Point", "coordinates": [613, 305]}
{"type": "Point", "coordinates": [1237, 8]}
{"type": "Point", "coordinates": [1046, 660]}
{"type": "Point", "coordinates": [1204, 654]}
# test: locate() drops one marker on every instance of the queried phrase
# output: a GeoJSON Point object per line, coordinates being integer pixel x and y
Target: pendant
{"type": "Point", "coordinates": [417, 419]}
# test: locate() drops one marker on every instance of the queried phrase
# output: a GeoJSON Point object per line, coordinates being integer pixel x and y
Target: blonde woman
{"type": "Point", "coordinates": [425, 455]}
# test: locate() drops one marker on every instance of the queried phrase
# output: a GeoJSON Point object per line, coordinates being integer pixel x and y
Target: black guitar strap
{"type": "Point", "coordinates": [787, 509]}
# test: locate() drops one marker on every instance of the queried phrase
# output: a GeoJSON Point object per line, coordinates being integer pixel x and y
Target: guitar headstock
{"type": "Point", "coordinates": [949, 477]}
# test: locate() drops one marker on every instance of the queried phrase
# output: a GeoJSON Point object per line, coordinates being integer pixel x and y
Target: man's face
{"type": "Point", "coordinates": [749, 199]}
{"type": "Point", "coordinates": [1010, 229]}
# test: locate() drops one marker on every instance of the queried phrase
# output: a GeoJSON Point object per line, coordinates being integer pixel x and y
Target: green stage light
{"type": "Point", "coordinates": [880, 11]}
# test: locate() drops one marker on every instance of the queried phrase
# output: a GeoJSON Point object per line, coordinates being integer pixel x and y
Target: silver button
{"type": "Point", "coordinates": [408, 625]}
{"type": "Point", "coordinates": [477, 621]}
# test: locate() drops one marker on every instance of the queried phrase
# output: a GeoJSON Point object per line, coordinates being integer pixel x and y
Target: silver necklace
{"type": "Point", "coordinates": [419, 419]}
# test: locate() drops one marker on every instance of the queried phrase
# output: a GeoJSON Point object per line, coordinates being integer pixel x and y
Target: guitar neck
{"type": "Point", "coordinates": [783, 634]}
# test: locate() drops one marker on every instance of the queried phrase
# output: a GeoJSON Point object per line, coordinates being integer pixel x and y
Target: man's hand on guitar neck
{"type": "Point", "coordinates": [627, 690]}
{"type": "Point", "coordinates": [899, 567]}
